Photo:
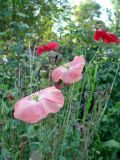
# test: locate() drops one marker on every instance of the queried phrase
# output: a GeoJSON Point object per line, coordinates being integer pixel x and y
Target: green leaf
{"type": "Point", "coordinates": [62, 158]}
{"type": "Point", "coordinates": [1, 51]}
{"type": "Point", "coordinates": [21, 14]}
{"type": "Point", "coordinates": [2, 33]}
{"type": "Point", "coordinates": [23, 26]}
{"type": "Point", "coordinates": [112, 144]}
{"type": "Point", "coordinates": [32, 35]}
{"type": "Point", "coordinates": [30, 131]}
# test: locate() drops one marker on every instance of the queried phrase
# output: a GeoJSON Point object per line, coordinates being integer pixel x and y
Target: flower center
{"type": "Point", "coordinates": [67, 65]}
{"type": "Point", "coordinates": [35, 97]}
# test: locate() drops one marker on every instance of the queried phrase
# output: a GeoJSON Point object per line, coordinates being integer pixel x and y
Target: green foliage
{"type": "Point", "coordinates": [80, 130]}
{"type": "Point", "coordinates": [86, 12]}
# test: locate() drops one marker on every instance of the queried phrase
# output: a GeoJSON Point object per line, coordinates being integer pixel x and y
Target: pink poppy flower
{"type": "Point", "coordinates": [38, 105]}
{"type": "Point", "coordinates": [48, 47]}
{"type": "Point", "coordinates": [70, 72]}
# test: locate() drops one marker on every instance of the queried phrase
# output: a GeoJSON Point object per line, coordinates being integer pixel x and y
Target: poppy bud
{"type": "Point", "coordinates": [11, 97]}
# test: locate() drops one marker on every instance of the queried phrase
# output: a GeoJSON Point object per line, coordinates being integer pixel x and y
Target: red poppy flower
{"type": "Point", "coordinates": [105, 36]}
{"type": "Point", "coordinates": [48, 47]}
{"type": "Point", "coordinates": [40, 50]}
{"type": "Point", "coordinates": [51, 46]}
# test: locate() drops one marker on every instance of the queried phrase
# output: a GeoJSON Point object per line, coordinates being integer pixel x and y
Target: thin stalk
{"type": "Point", "coordinates": [104, 109]}
{"type": "Point", "coordinates": [67, 118]}
{"type": "Point", "coordinates": [84, 80]}
{"type": "Point", "coordinates": [30, 64]}
{"type": "Point", "coordinates": [34, 53]}
{"type": "Point", "coordinates": [106, 104]}
{"type": "Point", "coordinates": [94, 55]}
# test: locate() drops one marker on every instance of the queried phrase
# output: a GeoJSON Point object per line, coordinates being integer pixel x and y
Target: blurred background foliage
{"type": "Point", "coordinates": [25, 24]}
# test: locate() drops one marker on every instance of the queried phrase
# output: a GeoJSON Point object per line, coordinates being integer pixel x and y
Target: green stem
{"type": "Point", "coordinates": [106, 104]}
{"type": "Point", "coordinates": [30, 54]}
{"type": "Point", "coordinates": [67, 118]}
{"type": "Point", "coordinates": [82, 90]}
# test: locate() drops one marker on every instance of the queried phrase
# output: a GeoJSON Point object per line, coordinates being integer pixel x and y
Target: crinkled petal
{"type": "Point", "coordinates": [50, 106]}
{"type": "Point", "coordinates": [78, 62]}
{"type": "Point", "coordinates": [53, 94]}
{"type": "Point", "coordinates": [57, 74]}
